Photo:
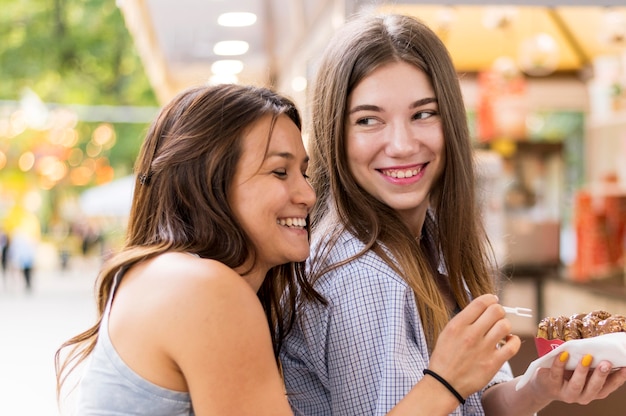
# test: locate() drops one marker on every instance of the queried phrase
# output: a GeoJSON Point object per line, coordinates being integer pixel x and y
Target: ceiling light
{"type": "Point", "coordinates": [231, 47]}
{"type": "Point", "coordinates": [227, 66]}
{"type": "Point", "coordinates": [236, 19]}
{"type": "Point", "coordinates": [223, 79]}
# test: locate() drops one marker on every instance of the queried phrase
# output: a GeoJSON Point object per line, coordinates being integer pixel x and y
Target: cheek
{"type": "Point", "coordinates": [434, 136]}
{"type": "Point", "coordinates": [354, 163]}
{"type": "Point", "coordinates": [358, 152]}
{"type": "Point", "coordinates": [441, 163]}
{"type": "Point", "coordinates": [440, 151]}
{"type": "Point", "coordinates": [435, 142]}
{"type": "Point", "coordinates": [240, 201]}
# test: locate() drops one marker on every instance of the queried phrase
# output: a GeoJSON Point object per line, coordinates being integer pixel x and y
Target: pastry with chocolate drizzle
{"type": "Point", "coordinates": [580, 326]}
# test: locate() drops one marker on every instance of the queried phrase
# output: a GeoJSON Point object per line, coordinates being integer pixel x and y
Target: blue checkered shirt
{"type": "Point", "coordinates": [362, 352]}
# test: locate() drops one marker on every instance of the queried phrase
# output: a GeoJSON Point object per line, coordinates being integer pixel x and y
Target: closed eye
{"type": "Point", "coordinates": [281, 173]}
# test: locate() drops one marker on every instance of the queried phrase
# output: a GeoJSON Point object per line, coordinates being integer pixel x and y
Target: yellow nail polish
{"type": "Point", "coordinates": [586, 362]}
{"type": "Point", "coordinates": [564, 356]}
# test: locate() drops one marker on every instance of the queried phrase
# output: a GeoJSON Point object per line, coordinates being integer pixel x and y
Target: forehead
{"type": "Point", "coordinates": [257, 136]}
{"type": "Point", "coordinates": [394, 78]}
{"type": "Point", "coordinates": [257, 144]}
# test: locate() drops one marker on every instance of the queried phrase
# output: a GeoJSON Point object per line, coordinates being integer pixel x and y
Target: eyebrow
{"type": "Point", "coordinates": [284, 155]}
{"type": "Point", "coordinates": [371, 107]}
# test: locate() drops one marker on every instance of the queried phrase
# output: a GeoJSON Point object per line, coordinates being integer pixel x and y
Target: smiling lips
{"type": "Point", "coordinates": [292, 222]}
{"type": "Point", "coordinates": [402, 173]}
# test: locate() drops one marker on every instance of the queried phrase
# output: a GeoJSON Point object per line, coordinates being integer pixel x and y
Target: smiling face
{"type": "Point", "coordinates": [394, 139]}
{"type": "Point", "coordinates": [270, 195]}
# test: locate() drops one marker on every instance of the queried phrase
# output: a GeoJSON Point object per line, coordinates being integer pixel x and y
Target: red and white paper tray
{"type": "Point", "coordinates": [609, 347]}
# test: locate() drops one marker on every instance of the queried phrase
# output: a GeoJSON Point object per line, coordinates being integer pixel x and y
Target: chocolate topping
{"type": "Point", "coordinates": [580, 326]}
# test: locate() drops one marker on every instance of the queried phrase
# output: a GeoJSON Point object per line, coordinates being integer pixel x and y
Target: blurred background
{"type": "Point", "coordinates": [544, 83]}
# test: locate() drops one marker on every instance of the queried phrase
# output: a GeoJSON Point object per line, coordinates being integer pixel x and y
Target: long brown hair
{"type": "Point", "coordinates": [180, 203]}
{"type": "Point", "coordinates": [453, 235]}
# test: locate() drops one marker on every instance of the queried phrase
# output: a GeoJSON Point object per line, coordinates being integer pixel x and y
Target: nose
{"type": "Point", "coordinates": [304, 193]}
{"type": "Point", "coordinates": [401, 141]}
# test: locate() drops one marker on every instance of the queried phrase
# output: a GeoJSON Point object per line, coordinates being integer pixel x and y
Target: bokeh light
{"type": "Point", "coordinates": [26, 161]}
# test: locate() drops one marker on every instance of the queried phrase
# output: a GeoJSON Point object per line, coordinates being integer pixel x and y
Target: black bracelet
{"type": "Point", "coordinates": [445, 383]}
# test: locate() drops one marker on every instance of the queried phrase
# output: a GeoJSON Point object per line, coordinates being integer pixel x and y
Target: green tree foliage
{"type": "Point", "coordinates": [74, 52]}
{"type": "Point", "coordinates": [70, 52]}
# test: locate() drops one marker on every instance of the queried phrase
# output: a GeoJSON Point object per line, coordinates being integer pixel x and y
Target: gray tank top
{"type": "Point", "coordinates": [110, 388]}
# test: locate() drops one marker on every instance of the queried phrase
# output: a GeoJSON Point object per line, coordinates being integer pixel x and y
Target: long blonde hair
{"type": "Point", "coordinates": [453, 234]}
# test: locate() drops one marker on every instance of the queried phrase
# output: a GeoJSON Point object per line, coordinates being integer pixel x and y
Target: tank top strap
{"type": "Point", "coordinates": [116, 281]}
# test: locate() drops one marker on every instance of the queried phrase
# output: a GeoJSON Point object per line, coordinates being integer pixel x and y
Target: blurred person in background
{"type": "Point", "coordinates": [24, 236]}
{"type": "Point", "coordinates": [22, 253]}
{"type": "Point", "coordinates": [4, 251]}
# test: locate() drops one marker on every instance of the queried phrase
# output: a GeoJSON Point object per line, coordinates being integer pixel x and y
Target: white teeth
{"type": "Point", "coordinates": [292, 222]}
{"type": "Point", "coordinates": [401, 174]}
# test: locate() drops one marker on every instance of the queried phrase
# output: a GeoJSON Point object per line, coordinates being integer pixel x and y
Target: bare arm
{"type": "Point", "coordinates": [225, 352]}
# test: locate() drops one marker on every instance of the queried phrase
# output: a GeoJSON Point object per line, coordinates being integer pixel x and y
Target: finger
{"type": "Point", "coordinates": [611, 380]}
{"type": "Point", "coordinates": [557, 370]}
{"type": "Point", "coordinates": [493, 324]}
{"type": "Point", "coordinates": [615, 380]}
{"type": "Point", "coordinates": [596, 382]}
{"type": "Point", "coordinates": [509, 346]}
{"type": "Point", "coordinates": [476, 308]}
{"type": "Point", "coordinates": [577, 382]}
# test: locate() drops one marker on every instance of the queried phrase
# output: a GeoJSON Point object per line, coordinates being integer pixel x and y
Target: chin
{"type": "Point", "coordinates": [300, 257]}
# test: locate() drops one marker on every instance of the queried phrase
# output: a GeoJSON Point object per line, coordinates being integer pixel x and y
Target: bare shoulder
{"type": "Point", "coordinates": [173, 264]}
{"type": "Point", "coordinates": [181, 280]}
{"type": "Point", "coordinates": [175, 288]}
{"type": "Point", "coordinates": [181, 321]}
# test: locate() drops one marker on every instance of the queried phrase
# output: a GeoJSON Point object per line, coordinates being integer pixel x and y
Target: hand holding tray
{"type": "Point", "coordinates": [609, 347]}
